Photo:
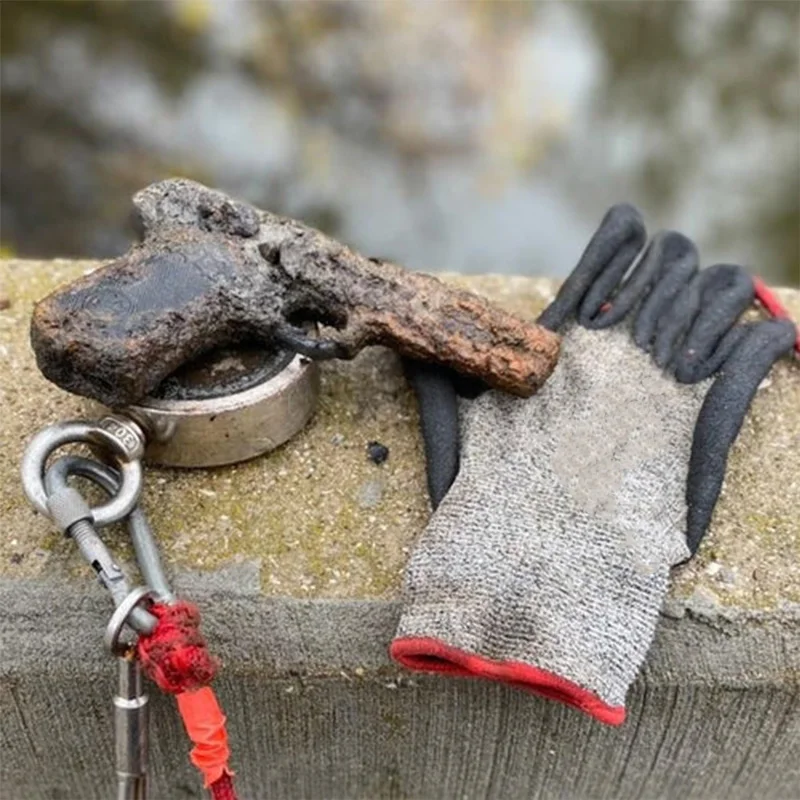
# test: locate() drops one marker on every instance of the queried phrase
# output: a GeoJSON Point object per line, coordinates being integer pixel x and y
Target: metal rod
{"type": "Point", "coordinates": [131, 719]}
{"type": "Point", "coordinates": [147, 555]}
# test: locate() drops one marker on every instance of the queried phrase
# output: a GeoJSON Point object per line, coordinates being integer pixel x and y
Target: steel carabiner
{"type": "Point", "coordinates": [72, 515]}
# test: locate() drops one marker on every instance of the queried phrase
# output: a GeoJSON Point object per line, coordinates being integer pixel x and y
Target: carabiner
{"type": "Point", "coordinates": [141, 534]}
{"type": "Point", "coordinates": [73, 516]}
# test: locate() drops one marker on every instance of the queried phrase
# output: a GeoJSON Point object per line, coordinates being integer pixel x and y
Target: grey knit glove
{"type": "Point", "coordinates": [547, 562]}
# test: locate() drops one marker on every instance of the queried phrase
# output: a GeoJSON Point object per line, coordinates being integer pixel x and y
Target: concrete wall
{"type": "Point", "coordinates": [295, 560]}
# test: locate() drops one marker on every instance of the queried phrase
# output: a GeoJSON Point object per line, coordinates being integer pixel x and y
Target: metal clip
{"type": "Point", "coordinates": [72, 515]}
{"type": "Point", "coordinates": [141, 534]}
{"type": "Point", "coordinates": [147, 557]}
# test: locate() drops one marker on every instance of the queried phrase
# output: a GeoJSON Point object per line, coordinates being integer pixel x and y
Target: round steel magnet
{"type": "Point", "coordinates": [230, 406]}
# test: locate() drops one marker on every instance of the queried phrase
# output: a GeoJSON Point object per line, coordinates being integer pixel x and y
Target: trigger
{"type": "Point", "coordinates": [298, 340]}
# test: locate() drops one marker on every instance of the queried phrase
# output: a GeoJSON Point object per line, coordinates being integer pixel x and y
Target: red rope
{"type": "Point", "coordinates": [175, 656]}
{"type": "Point", "coordinates": [773, 306]}
{"type": "Point", "coordinates": [223, 789]}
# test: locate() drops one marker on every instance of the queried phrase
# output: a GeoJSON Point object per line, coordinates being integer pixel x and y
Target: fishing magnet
{"type": "Point", "coordinates": [229, 406]}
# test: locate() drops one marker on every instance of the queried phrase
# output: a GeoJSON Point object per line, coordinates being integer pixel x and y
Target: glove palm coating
{"type": "Point", "coordinates": [547, 561]}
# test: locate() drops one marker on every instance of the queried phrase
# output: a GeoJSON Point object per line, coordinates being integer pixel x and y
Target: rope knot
{"type": "Point", "coordinates": [175, 655]}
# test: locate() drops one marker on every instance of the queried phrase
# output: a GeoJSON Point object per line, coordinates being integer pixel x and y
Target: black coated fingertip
{"type": "Point", "coordinates": [603, 306]}
{"type": "Point", "coordinates": [438, 411]}
{"type": "Point", "coordinates": [706, 292]}
{"type": "Point", "coordinates": [674, 321]}
{"type": "Point", "coordinates": [675, 261]}
{"type": "Point", "coordinates": [722, 414]}
{"type": "Point", "coordinates": [598, 308]}
{"type": "Point", "coordinates": [622, 229]}
{"type": "Point", "coordinates": [726, 291]}
{"type": "Point", "coordinates": [693, 367]}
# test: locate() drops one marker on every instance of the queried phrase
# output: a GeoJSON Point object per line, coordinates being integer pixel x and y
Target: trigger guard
{"type": "Point", "coordinates": [298, 340]}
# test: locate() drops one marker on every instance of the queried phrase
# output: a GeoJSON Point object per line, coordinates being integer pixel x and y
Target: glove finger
{"type": "Point", "coordinates": [726, 293]}
{"type": "Point", "coordinates": [604, 262]}
{"type": "Point", "coordinates": [438, 411]}
{"type": "Point", "coordinates": [647, 271]}
{"type": "Point", "coordinates": [679, 262]}
{"type": "Point", "coordinates": [722, 414]}
{"type": "Point", "coordinates": [690, 369]}
{"type": "Point", "coordinates": [722, 285]}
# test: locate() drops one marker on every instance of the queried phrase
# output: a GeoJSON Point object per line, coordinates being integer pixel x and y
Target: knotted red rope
{"type": "Point", "coordinates": [175, 655]}
{"type": "Point", "coordinates": [176, 658]}
{"type": "Point", "coordinates": [773, 306]}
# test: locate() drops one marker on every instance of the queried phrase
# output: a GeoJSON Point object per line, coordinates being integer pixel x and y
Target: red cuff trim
{"type": "Point", "coordinates": [432, 655]}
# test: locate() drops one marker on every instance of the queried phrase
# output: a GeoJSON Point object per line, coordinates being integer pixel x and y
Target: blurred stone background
{"type": "Point", "coordinates": [468, 136]}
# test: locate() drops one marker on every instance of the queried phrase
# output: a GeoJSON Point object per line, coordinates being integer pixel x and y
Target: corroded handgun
{"type": "Point", "coordinates": [212, 271]}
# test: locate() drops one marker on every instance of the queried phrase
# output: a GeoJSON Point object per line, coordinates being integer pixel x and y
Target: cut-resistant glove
{"type": "Point", "coordinates": [558, 517]}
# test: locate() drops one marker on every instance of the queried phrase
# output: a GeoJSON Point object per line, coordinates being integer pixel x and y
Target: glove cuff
{"type": "Point", "coordinates": [428, 654]}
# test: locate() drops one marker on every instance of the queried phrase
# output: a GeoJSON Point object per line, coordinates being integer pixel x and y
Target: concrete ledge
{"type": "Point", "coordinates": [295, 560]}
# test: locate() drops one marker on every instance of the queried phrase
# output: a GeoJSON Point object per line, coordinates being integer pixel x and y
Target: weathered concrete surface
{"type": "Point", "coordinates": [296, 559]}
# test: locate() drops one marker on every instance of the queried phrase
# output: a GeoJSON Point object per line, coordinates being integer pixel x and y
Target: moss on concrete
{"type": "Point", "coordinates": [324, 521]}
